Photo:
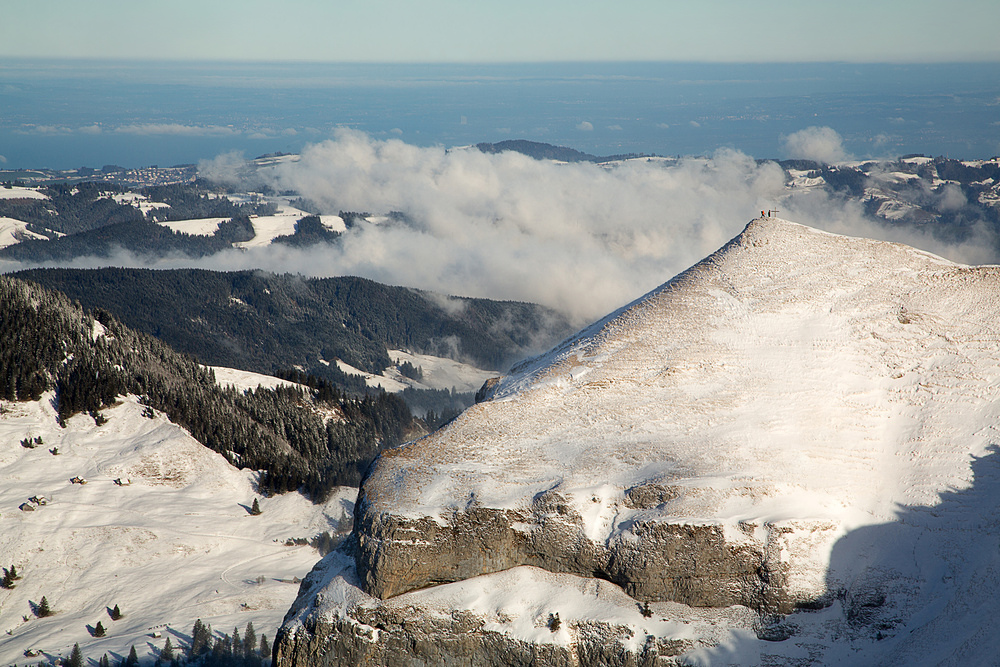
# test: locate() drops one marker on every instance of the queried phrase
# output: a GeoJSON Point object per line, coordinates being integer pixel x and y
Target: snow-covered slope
{"type": "Point", "coordinates": [436, 373]}
{"type": "Point", "coordinates": [799, 419]}
{"type": "Point", "coordinates": [18, 192]}
{"type": "Point", "coordinates": [174, 544]}
{"type": "Point", "coordinates": [14, 231]}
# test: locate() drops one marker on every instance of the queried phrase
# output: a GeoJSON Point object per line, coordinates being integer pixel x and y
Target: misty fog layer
{"type": "Point", "coordinates": [582, 238]}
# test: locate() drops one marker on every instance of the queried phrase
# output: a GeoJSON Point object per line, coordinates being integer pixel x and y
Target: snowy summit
{"type": "Point", "coordinates": [799, 421]}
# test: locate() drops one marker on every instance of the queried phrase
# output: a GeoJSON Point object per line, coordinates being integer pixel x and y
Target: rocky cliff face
{"type": "Point", "coordinates": [693, 563]}
{"type": "Point", "coordinates": [704, 450]}
{"type": "Point", "coordinates": [524, 616]}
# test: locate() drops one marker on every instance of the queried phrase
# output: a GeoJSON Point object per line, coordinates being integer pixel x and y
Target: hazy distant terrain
{"type": "Point", "coordinates": [58, 116]}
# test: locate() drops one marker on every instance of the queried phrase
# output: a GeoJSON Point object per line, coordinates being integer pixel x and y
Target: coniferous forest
{"type": "Point", "coordinates": [269, 323]}
{"type": "Point", "coordinates": [48, 343]}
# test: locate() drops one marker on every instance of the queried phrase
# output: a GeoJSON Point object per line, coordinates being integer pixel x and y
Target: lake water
{"type": "Point", "coordinates": [64, 114]}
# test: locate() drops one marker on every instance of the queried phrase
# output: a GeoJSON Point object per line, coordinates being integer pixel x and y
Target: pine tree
{"type": "Point", "coordinates": [75, 657]}
{"type": "Point", "coordinates": [99, 630]}
{"type": "Point", "coordinates": [255, 510]}
{"type": "Point", "coordinates": [237, 642]}
{"type": "Point", "coordinates": [265, 647]}
{"type": "Point", "coordinates": [167, 654]}
{"type": "Point", "coordinates": [8, 579]}
{"type": "Point", "coordinates": [43, 608]}
{"type": "Point", "coordinates": [249, 640]}
{"type": "Point", "coordinates": [133, 658]}
{"type": "Point", "coordinates": [104, 661]}
{"type": "Point", "coordinates": [201, 637]}
{"type": "Point", "coordinates": [116, 613]}
{"type": "Point", "coordinates": [13, 573]}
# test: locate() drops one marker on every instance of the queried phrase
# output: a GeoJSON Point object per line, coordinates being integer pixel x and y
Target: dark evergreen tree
{"type": "Point", "coordinates": [8, 579]}
{"type": "Point", "coordinates": [75, 657]}
{"type": "Point", "coordinates": [265, 648]}
{"type": "Point", "coordinates": [167, 654]}
{"type": "Point", "coordinates": [116, 613]}
{"type": "Point", "coordinates": [237, 646]}
{"type": "Point", "coordinates": [201, 637]}
{"type": "Point", "coordinates": [255, 509]}
{"type": "Point", "coordinates": [133, 658]}
{"type": "Point", "coordinates": [99, 630]}
{"type": "Point", "coordinates": [104, 661]}
{"type": "Point", "coordinates": [43, 608]}
{"type": "Point", "coordinates": [249, 641]}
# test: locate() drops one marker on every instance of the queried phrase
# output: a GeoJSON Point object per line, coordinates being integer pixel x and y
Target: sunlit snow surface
{"type": "Point", "coordinates": [792, 376]}
{"type": "Point", "coordinates": [437, 373]}
{"type": "Point", "coordinates": [175, 544]}
{"type": "Point", "coordinates": [14, 231]}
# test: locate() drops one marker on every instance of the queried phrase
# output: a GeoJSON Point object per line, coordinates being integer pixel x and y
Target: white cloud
{"type": "Point", "coordinates": [581, 238]}
{"type": "Point", "coordinates": [585, 126]}
{"type": "Point", "coordinates": [177, 129]}
{"type": "Point", "coordinates": [952, 198]}
{"type": "Point", "coordinates": [3, 159]}
{"type": "Point", "coordinates": [615, 128]}
{"type": "Point", "coordinates": [578, 237]}
{"type": "Point", "coordinates": [228, 168]}
{"type": "Point", "coordinates": [821, 144]}
{"type": "Point", "coordinates": [45, 129]}
{"type": "Point", "coordinates": [694, 123]}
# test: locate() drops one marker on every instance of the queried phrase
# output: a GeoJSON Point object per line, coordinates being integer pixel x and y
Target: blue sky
{"type": "Point", "coordinates": [508, 31]}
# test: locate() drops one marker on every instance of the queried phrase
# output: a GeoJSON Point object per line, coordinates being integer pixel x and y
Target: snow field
{"type": "Point", "coordinates": [438, 373]}
{"type": "Point", "coordinates": [17, 192]}
{"type": "Point", "coordinates": [174, 544]}
{"type": "Point", "coordinates": [198, 227]}
{"type": "Point", "coordinates": [14, 231]}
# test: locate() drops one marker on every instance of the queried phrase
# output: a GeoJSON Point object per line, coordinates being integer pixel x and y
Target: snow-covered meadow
{"type": "Point", "coordinates": [173, 542]}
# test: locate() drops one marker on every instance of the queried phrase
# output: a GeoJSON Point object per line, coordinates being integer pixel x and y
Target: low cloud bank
{"type": "Point", "coordinates": [582, 238]}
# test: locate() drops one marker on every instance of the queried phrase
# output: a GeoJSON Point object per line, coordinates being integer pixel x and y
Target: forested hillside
{"type": "Point", "coordinates": [297, 438]}
{"type": "Point", "coordinates": [86, 219]}
{"type": "Point", "coordinates": [268, 323]}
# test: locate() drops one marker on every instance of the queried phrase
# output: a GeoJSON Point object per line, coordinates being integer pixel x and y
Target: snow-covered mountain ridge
{"type": "Point", "coordinates": [724, 440]}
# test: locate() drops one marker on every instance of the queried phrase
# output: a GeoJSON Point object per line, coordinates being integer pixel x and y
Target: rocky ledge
{"type": "Point", "coordinates": [521, 617]}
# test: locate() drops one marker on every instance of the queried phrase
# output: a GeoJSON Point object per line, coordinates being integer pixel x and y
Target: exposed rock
{"type": "Point", "coordinates": [683, 562]}
{"type": "Point", "coordinates": [485, 392]}
{"type": "Point", "coordinates": [334, 623]}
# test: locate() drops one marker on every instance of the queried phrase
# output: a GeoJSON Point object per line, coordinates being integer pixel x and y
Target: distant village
{"type": "Point", "coordinates": [127, 178]}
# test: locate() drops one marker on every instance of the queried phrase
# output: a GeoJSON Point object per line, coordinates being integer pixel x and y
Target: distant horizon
{"type": "Point", "coordinates": [68, 113]}
{"type": "Point", "coordinates": [992, 59]}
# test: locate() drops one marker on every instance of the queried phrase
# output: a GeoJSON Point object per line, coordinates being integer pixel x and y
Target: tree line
{"type": "Point", "coordinates": [48, 343]}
